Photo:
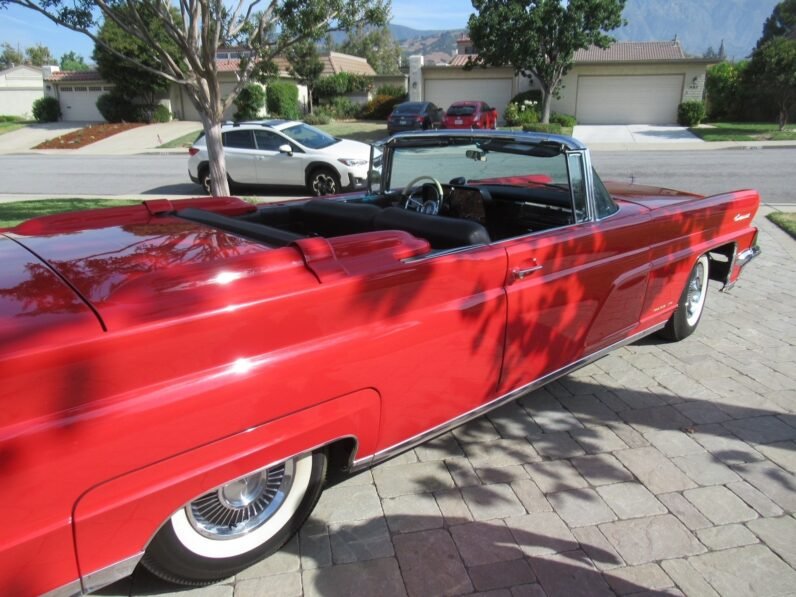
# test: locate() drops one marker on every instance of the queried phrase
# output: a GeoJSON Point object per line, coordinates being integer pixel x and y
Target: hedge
{"type": "Point", "coordinates": [281, 98]}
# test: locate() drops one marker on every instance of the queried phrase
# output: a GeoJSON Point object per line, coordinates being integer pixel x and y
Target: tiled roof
{"type": "Point", "coordinates": [462, 59]}
{"type": "Point", "coordinates": [69, 75]}
{"type": "Point", "coordinates": [333, 63]}
{"type": "Point", "coordinates": [633, 51]}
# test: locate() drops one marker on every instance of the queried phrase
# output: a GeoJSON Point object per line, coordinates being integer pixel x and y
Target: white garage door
{"type": "Point", "coordinates": [79, 103]}
{"type": "Point", "coordinates": [443, 92]}
{"type": "Point", "coordinates": [629, 99]}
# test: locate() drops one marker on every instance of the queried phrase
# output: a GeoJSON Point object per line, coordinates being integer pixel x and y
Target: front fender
{"type": "Point", "coordinates": [114, 521]}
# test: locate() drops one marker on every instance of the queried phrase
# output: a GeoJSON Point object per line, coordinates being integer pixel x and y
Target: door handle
{"type": "Point", "coordinates": [519, 274]}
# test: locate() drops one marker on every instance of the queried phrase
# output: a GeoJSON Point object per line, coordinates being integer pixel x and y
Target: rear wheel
{"type": "Point", "coordinates": [232, 527]}
{"type": "Point", "coordinates": [204, 181]}
{"type": "Point", "coordinates": [323, 181]}
{"type": "Point", "coordinates": [685, 319]}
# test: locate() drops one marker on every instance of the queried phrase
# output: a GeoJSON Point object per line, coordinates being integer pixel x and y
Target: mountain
{"type": "Point", "coordinates": [698, 25]}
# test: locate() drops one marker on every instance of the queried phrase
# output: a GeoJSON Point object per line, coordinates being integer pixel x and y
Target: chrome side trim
{"type": "Point", "coordinates": [746, 256]}
{"type": "Point", "coordinates": [102, 578]}
{"type": "Point", "coordinates": [73, 589]}
{"type": "Point", "coordinates": [410, 443]}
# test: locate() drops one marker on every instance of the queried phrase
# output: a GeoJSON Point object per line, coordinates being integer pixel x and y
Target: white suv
{"type": "Point", "coordinates": [284, 153]}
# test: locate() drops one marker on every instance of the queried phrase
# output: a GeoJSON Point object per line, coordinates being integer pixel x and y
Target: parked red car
{"type": "Point", "coordinates": [470, 115]}
{"type": "Point", "coordinates": [178, 377]}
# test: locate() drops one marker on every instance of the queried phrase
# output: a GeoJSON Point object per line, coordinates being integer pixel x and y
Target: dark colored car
{"type": "Point", "coordinates": [470, 115]}
{"type": "Point", "coordinates": [410, 116]}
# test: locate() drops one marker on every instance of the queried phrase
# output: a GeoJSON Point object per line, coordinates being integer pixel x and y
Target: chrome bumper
{"type": "Point", "coordinates": [746, 256]}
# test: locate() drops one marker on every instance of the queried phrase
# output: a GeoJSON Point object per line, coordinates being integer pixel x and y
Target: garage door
{"type": "Point", "coordinates": [629, 99]}
{"type": "Point", "coordinates": [443, 92]}
{"type": "Point", "coordinates": [79, 103]}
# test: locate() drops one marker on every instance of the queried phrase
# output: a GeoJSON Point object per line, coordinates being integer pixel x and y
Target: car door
{"type": "Point", "coordinates": [240, 154]}
{"type": "Point", "coordinates": [576, 289]}
{"type": "Point", "coordinates": [273, 166]}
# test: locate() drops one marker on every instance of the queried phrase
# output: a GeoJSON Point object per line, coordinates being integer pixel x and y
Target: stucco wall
{"type": "Point", "coordinates": [19, 88]}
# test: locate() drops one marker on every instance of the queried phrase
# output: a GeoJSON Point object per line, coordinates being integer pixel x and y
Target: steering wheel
{"type": "Point", "coordinates": [432, 206]}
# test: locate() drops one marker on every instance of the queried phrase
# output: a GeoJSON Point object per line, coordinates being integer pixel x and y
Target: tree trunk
{"type": "Point", "coordinates": [215, 154]}
{"type": "Point", "coordinates": [309, 98]}
{"type": "Point", "coordinates": [546, 97]}
{"type": "Point", "coordinates": [783, 116]}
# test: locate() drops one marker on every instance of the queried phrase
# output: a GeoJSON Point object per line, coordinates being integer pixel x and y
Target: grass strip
{"type": "Point", "coordinates": [13, 213]}
{"type": "Point", "coordinates": [785, 220]}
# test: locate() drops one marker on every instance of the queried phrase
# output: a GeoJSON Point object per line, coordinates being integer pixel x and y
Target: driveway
{"type": "Point", "coordinates": [598, 134]}
{"type": "Point", "coordinates": [26, 138]}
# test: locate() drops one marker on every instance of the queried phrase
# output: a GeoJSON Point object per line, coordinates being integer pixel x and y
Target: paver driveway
{"type": "Point", "coordinates": [665, 468]}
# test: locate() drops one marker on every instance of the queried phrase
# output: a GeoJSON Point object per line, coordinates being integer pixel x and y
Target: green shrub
{"type": "Point", "coordinates": [553, 128]}
{"type": "Point", "coordinates": [393, 90]}
{"type": "Point", "coordinates": [531, 95]}
{"type": "Point", "coordinates": [250, 102]}
{"type": "Point", "coordinates": [161, 114]}
{"type": "Point", "coordinates": [46, 109]}
{"type": "Point", "coordinates": [341, 84]}
{"type": "Point", "coordinates": [379, 107]}
{"type": "Point", "coordinates": [282, 100]}
{"type": "Point", "coordinates": [724, 88]}
{"type": "Point", "coordinates": [318, 117]}
{"type": "Point", "coordinates": [690, 113]}
{"type": "Point", "coordinates": [117, 108]}
{"type": "Point", "coordinates": [565, 120]}
{"type": "Point", "coordinates": [342, 107]}
{"type": "Point", "coordinates": [519, 114]}
{"type": "Point", "coordinates": [4, 118]}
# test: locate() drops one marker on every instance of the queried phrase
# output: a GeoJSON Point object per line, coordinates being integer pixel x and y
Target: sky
{"type": "Point", "coordinates": [24, 28]}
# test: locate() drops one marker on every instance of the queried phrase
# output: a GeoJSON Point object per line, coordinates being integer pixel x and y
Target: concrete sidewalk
{"type": "Point", "coordinates": [24, 139]}
{"type": "Point", "coordinates": [663, 469]}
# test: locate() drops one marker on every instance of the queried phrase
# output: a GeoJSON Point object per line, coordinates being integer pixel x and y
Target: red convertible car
{"type": "Point", "coordinates": [178, 377]}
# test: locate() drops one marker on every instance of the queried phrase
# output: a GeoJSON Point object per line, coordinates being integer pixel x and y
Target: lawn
{"type": "Point", "coordinates": [744, 131]}
{"type": "Point", "coordinates": [184, 141]}
{"type": "Point", "coordinates": [785, 220]}
{"type": "Point", "coordinates": [13, 213]}
{"type": "Point", "coordinates": [7, 124]}
{"type": "Point", "coordinates": [366, 131]}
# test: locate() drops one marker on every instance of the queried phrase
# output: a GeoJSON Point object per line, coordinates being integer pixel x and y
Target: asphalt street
{"type": "Point", "coordinates": [770, 171]}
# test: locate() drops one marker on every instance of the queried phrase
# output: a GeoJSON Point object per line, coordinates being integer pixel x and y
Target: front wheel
{"type": "Point", "coordinates": [232, 527]}
{"type": "Point", "coordinates": [324, 182]}
{"type": "Point", "coordinates": [685, 319]}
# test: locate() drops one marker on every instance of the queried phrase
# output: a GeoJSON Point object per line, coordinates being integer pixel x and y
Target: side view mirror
{"type": "Point", "coordinates": [286, 149]}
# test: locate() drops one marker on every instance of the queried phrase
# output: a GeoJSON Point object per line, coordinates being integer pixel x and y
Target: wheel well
{"type": "Point", "coordinates": [315, 166]}
{"type": "Point", "coordinates": [202, 169]}
{"type": "Point", "coordinates": [720, 262]}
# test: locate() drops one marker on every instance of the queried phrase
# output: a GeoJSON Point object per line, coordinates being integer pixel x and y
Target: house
{"type": "Point", "coordinates": [20, 86]}
{"type": "Point", "coordinates": [627, 83]}
{"type": "Point", "coordinates": [77, 92]}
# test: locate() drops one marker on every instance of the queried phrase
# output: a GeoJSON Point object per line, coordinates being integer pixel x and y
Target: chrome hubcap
{"type": "Point", "coordinates": [323, 184]}
{"type": "Point", "coordinates": [242, 505]}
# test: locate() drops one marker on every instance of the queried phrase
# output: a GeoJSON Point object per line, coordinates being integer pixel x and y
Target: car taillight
{"type": "Point", "coordinates": [420, 118]}
{"type": "Point", "coordinates": [193, 150]}
{"type": "Point", "coordinates": [390, 116]}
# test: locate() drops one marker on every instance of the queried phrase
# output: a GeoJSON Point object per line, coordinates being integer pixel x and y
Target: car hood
{"type": "Point", "coordinates": [346, 148]}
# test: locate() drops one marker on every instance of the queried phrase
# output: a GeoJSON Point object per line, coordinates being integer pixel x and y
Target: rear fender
{"type": "Point", "coordinates": [114, 521]}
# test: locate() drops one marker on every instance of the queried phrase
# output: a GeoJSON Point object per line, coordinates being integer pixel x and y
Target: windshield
{"type": "Point", "coordinates": [481, 162]}
{"type": "Point", "coordinates": [410, 108]}
{"type": "Point", "coordinates": [461, 110]}
{"type": "Point", "coordinates": [309, 136]}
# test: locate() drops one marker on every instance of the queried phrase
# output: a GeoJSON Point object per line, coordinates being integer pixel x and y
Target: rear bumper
{"type": "Point", "coordinates": [740, 261]}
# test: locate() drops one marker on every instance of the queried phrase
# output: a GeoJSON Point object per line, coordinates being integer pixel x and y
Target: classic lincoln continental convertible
{"type": "Point", "coordinates": [179, 376]}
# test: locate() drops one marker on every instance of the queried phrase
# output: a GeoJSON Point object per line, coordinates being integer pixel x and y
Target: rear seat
{"type": "Point", "coordinates": [332, 218]}
{"type": "Point", "coordinates": [440, 231]}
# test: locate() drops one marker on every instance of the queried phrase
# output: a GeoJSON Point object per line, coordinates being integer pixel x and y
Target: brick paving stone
{"type": "Point", "coordinates": [701, 412]}
{"type": "Point", "coordinates": [727, 536]}
{"type": "Point", "coordinates": [597, 438]}
{"type": "Point", "coordinates": [643, 540]}
{"type": "Point", "coordinates": [762, 430]}
{"type": "Point", "coordinates": [531, 497]}
{"type": "Point", "coordinates": [719, 505]}
{"type": "Point", "coordinates": [688, 579]}
{"type": "Point", "coordinates": [528, 591]}
{"type": "Point", "coordinates": [347, 504]}
{"type": "Point", "coordinates": [487, 502]}
{"type": "Point", "coordinates": [596, 546]}
{"type": "Point", "coordinates": [462, 472]}
{"type": "Point", "coordinates": [569, 575]}
{"type": "Point", "coordinates": [502, 474]}
{"type": "Point", "coordinates": [705, 469]}
{"type": "Point", "coordinates": [630, 436]}
{"type": "Point", "coordinates": [541, 533]}
{"type": "Point", "coordinates": [580, 507]}
{"type": "Point", "coordinates": [430, 564]}
{"type": "Point", "coordinates": [763, 505]}
{"type": "Point", "coordinates": [631, 500]}
{"type": "Point", "coordinates": [485, 543]}
{"type": "Point", "coordinates": [440, 448]}
{"type": "Point", "coordinates": [601, 469]}
{"type": "Point", "coordinates": [363, 579]}
{"type": "Point", "coordinates": [654, 470]}
{"type": "Point", "coordinates": [501, 575]}
{"type": "Point", "coordinates": [556, 445]}
{"type": "Point", "coordinates": [781, 453]}
{"type": "Point", "coordinates": [553, 420]}
{"type": "Point", "coordinates": [720, 442]}
{"type": "Point", "coordinates": [404, 458]}
{"type": "Point", "coordinates": [282, 562]}
{"type": "Point", "coordinates": [360, 541]}
{"type": "Point", "coordinates": [513, 422]}
{"type": "Point", "coordinates": [777, 484]}
{"type": "Point", "coordinates": [672, 443]}
{"type": "Point", "coordinates": [752, 570]}
{"type": "Point", "coordinates": [630, 579]}
{"type": "Point", "coordinates": [479, 430]}
{"type": "Point", "coordinates": [410, 513]}
{"type": "Point", "coordinates": [556, 475]}
{"type": "Point", "coordinates": [779, 534]}
{"type": "Point", "coordinates": [589, 410]}
{"type": "Point", "coordinates": [452, 507]}
{"type": "Point", "coordinates": [417, 477]}
{"type": "Point", "coordinates": [502, 452]}
{"type": "Point", "coordinates": [280, 585]}
{"type": "Point", "coordinates": [316, 551]}
{"type": "Point", "coordinates": [645, 420]}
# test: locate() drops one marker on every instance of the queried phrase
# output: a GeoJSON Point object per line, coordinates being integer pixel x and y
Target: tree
{"type": "Point", "coordinates": [203, 26]}
{"type": "Point", "coordinates": [305, 66]}
{"type": "Point", "coordinates": [74, 62]}
{"type": "Point", "coordinates": [376, 45]}
{"type": "Point", "coordinates": [10, 56]}
{"type": "Point", "coordinates": [781, 23]}
{"type": "Point", "coordinates": [540, 37]}
{"type": "Point", "coordinates": [773, 73]}
{"type": "Point", "coordinates": [39, 55]}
